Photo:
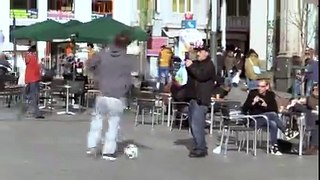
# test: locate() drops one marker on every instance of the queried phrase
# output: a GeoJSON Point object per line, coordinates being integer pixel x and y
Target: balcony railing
{"type": "Point", "coordinates": [238, 23]}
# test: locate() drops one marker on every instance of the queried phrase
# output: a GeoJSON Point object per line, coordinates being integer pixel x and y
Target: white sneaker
{"type": "Point", "coordinates": [274, 150]}
{"type": "Point", "coordinates": [76, 106]}
{"type": "Point", "coordinates": [109, 157]}
{"type": "Point", "coordinates": [91, 151]}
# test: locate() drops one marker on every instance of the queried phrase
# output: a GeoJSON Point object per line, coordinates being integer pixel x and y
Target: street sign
{"type": "Point", "coordinates": [188, 24]}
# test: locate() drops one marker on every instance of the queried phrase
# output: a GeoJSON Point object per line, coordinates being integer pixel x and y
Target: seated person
{"type": "Point", "coordinates": [313, 119]}
{"type": "Point", "coordinates": [296, 103]}
{"type": "Point", "coordinates": [263, 102]}
{"type": "Point", "coordinates": [222, 90]}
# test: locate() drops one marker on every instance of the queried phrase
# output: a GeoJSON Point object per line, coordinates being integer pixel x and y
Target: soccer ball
{"type": "Point", "coordinates": [131, 151]}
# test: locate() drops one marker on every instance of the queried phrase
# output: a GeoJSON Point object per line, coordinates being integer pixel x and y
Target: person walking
{"type": "Point", "coordinates": [164, 63]}
{"type": "Point", "coordinates": [32, 80]}
{"type": "Point", "coordinates": [112, 69]}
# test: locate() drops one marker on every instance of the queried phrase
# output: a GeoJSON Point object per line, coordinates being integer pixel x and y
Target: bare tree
{"type": "Point", "coordinates": [300, 20]}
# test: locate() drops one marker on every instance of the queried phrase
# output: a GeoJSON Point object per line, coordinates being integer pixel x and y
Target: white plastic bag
{"type": "Point", "coordinates": [182, 75]}
{"type": "Point", "coordinates": [236, 78]}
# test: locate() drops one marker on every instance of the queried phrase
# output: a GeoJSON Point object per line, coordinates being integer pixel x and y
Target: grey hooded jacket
{"type": "Point", "coordinates": [112, 71]}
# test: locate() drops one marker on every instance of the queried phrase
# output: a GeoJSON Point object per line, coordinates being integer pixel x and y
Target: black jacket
{"type": "Point", "coordinates": [201, 77]}
{"type": "Point", "coordinates": [269, 98]}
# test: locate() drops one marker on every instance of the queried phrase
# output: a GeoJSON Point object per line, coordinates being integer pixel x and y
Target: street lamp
{"type": "Point", "coordinates": [14, 45]}
{"type": "Point", "coordinates": [1, 39]}
{"type": "Point", "coordinates": [73, 41]}
{"type": "Point", "coordinates": [213, 38]}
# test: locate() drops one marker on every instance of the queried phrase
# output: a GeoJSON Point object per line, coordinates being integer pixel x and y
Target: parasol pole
{"type": "Point", "coordinates": [73, 41]}
{"type": "Point", "coordinates": [213, 38]}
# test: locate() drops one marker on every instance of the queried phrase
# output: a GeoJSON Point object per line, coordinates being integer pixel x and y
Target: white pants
{"type": "Point", "coordinates": [113, 109]}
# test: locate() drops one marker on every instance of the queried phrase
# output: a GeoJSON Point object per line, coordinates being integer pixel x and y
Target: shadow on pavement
{"type": "Point", "coordinates": [188, 143]}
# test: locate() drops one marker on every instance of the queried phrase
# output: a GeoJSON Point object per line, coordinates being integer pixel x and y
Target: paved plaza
{"type": "Point", "coordinates": [54, 149]}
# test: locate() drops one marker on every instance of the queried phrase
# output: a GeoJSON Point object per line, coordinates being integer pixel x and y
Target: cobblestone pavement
{"type": "Point", "coordinates": [54, 149]}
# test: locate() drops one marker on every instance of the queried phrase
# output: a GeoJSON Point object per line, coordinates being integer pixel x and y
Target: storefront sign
{"type": "Point", "coordinates": [95, 15]}
{"type": "Point", "coordinates": [60, 15]}
{"type": "Point", "coordinates": [24, 14]}
{"type": "Point", "coordinates": [157, 42]}
{"type": "Point", "coordinates": [188, 24]}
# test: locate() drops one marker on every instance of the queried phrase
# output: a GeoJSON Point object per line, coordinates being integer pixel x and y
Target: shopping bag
{"type": "Point", "coordinates": [236, 78]}
{"type": "Point", "coordinates": [181, 76]}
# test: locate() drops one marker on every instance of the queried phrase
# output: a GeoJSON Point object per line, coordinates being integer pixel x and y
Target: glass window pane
{"type": "Point", "coordinates": [33, 4]}
{"type": "Point", "coordinates": [174, 6]}
{"type": "Point", "coordinates": [138, 4]}
{"type": "Point", "coordinates": [155, 5]}
{"type": "Point", "coordinates": [181, 6]}
{"type": "Point", "coordinates": [61, 5]}
{"type": "Point", "coordinates": [109, 6]}
{"type": "Point", "coordinates": [231, 7]}
{"type": "Point", "coordinates": [189, 5]}
{"type": "Point", "coordinates": [67, 5]}
{"type": "Point", "coordinates": [18, 4]}
{"type": "Point", "coordinates": [54, 4]}
{"type": "Point", "coordinates": [243, 8]}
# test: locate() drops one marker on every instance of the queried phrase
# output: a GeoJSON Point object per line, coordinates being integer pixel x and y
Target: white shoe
{"type": "Point", "coordinates": [91, 151]}
{"type": "Point", "coordinates": [76, 106]}
{"type": "Point", "coordinates": [274, 150]}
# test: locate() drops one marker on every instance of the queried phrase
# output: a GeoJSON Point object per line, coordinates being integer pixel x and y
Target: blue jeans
{"type": "Point", "coordinates": [228, 78]}
{"type": "Point", "coordinates": [312, 127]}
{"type": "Point", "coordinates": [296, 87]}
{"type": "Point", "coordinates": [252, 84]}
{"type": "Point", "coordinates": [197, 121]}
{"type": "Point", "coordinates": [32, 92]}
{"type": "Point", "coordinates": [163, 74]}
{"type": "Point", "coordinates": [274, 124]}
{"type": "Point", "coordinates": [310, 83]}
{"type": "Point", "coordinates": [113, 109]}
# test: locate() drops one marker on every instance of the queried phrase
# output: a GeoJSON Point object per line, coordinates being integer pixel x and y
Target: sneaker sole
{"type": "Point", "coordinates": [109, 158]}
{"type": "Point", "coordinates": [276, 154]}
{"type": "Point", "coordinates": [293, 136]}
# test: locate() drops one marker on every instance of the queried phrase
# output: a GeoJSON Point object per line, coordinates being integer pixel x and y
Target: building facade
{"type": "Point", "coordinates": [246, 20]}
{"type": "Point", "coordinates": [28, 12]}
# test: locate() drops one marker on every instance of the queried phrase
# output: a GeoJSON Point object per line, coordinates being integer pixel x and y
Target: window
{"type": "Point", "coordinates": [102, 7]}
{"type": "Point", "coordinates": [243, 7]}
{"type": "Point", "coordinates": [25, 5]}
{"type": "Point", "coordinates": [181, 6]}
{"type": "Point", "coordinates": [23, 9]}
{"type": "Point", "coordinates": [61, 5]}
{"type": "Point", "coordinates": [155, 5]}
{"type": "Point", "coordinates": [231, 7]}
{"type": "Point", "coordinates": [238, 7]}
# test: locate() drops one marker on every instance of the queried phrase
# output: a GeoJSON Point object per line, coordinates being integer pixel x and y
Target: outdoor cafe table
{"type": "Point", "coordinates": [66, 112]}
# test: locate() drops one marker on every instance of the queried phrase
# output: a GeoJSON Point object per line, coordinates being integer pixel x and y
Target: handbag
{"type": "Point", "coordinates": [256, 69]}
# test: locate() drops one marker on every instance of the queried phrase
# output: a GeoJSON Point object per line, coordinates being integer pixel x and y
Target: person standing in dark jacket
{"type": "Point", "coordinates": [201, 76]}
